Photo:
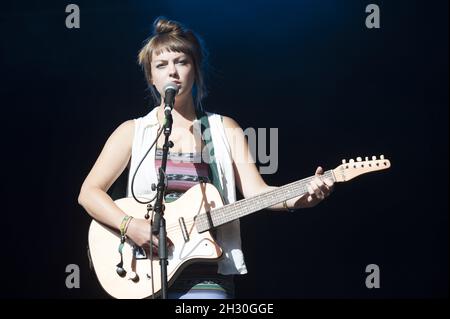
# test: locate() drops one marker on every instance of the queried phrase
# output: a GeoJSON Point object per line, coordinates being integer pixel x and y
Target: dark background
{"type": "Point", "coordinates": [334, 88]}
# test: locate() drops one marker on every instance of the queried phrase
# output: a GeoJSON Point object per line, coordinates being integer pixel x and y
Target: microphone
{"type": "Point", "coordinates": [170, 91]}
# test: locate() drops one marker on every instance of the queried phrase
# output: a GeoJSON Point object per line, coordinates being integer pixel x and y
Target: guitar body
{"type": "Point", "coordinates": [189, 246]}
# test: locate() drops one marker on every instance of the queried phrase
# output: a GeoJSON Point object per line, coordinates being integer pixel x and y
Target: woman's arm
{"type": "Point", "coordinates": [250, 182]}
{"type": "Point", "coordinates": [109, 165]}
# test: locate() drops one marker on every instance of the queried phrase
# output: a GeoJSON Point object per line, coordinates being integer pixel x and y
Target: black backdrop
{"type": "Point", "coordinates": [332, 87]}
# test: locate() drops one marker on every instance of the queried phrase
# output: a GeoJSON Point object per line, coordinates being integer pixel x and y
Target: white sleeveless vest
{"type": "Point", "coordinates": [228, 236]}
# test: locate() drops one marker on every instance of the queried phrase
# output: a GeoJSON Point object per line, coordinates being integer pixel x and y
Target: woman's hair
{"type": "Point", "coordinates": [172, 36]}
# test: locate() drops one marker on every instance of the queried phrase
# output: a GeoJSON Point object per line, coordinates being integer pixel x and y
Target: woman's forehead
{"type": "Point", "coordinates": [166, 54]}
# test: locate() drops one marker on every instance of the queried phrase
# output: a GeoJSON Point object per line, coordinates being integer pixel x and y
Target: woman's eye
{"type": "Point", "coordinates": [182, 62]}
{"type": "Point", "coordinates": [159, 66]}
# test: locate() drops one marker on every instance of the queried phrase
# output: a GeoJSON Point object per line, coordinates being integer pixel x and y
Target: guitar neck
{"type": "Point", "coordinates": [244, 207]}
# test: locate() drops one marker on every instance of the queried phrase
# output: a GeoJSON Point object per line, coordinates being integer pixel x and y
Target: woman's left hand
{"type": "Point", "coordinates": [318, 189]}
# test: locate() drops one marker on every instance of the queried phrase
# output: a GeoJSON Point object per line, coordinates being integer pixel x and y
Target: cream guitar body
{"type": "Point", "coordinates": [188, 245]}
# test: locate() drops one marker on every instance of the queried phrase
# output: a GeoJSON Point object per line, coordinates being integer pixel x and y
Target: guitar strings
{"type": "Point", "coordinates": [172, 227]}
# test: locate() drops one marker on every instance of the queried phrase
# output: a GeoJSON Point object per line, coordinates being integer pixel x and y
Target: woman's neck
{"type": "Point", "coordinates": [183, 111]}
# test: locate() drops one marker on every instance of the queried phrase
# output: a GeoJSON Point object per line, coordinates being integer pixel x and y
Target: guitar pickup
{"type": "Point", "coordinates": [183, 229]}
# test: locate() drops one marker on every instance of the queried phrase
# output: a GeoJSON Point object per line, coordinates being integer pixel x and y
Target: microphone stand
{"type": "Point", "coordinates": [159, 223]}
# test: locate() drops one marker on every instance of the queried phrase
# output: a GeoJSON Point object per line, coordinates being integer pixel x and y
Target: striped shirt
{"type": "Point", "coordinates": [183, 170]}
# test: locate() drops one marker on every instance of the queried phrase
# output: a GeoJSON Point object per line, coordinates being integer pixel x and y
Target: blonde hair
{"type": "Point", "coordinates": [172, 36]}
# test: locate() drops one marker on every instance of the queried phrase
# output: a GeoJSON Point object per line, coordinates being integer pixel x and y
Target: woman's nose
{"type": "Point", "coordinates": [172, 69]}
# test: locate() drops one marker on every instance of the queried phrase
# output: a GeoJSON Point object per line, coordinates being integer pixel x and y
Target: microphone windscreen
{"type": "Point", "coordinates": [171, 86]}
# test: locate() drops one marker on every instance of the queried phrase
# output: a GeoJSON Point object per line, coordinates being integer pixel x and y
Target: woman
{"type": "Point", "coordinates": [175, 54]}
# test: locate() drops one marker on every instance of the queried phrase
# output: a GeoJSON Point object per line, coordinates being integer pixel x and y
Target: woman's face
{"type": "Point", "coordinates": [174, 67]}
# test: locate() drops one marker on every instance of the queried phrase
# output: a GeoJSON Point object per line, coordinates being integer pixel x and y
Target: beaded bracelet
{"type": "Point", "coordinates": [124, 225]}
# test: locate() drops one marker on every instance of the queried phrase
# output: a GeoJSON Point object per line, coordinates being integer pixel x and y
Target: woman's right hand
{"type": "Point", "coordinates": [139, 232]}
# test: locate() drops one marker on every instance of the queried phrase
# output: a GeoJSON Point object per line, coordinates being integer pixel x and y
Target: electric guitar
{"type": "Point", "coordinates": [188, 221]}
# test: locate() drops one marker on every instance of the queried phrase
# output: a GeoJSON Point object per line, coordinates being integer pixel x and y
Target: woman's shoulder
{"type": "Point", "coordinates": [141, 122]}
{"type": "Point", "coordinates": [227, 121]}
{"type": "Point", "coordinates": [125, 129]}
{"type": "Point", "coordinates": [127, 125]}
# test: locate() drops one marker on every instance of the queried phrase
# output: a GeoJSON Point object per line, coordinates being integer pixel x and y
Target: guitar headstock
{"type": "Point", "coordinates": [351, 169]}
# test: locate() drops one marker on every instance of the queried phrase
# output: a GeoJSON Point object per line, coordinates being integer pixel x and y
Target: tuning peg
{"type": "Point", "coordinates": [382, 157]}
{"type": "Point", "coordinates": [367, 158]}
{"type": "Point", "coordinates": [344, 161]}
{"type": "Point", "coordinates": [374, 158]}
{"type": "Point", "coordinates": [351, 160]}
{"type": "Point", "coordinates": [358, 159]}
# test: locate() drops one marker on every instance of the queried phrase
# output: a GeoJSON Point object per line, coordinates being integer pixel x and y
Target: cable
{"type": "Point", "coordinates": [137, 168]}
{"type": "Point", "coordinates": [151, 256]}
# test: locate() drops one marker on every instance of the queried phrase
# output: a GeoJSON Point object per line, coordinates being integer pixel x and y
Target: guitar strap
{"type": "Point", "coordinates": [207, 139]}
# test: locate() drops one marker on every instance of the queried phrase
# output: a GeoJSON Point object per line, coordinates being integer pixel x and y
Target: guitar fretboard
{"type": "Point", "coordinates": [244, 207]}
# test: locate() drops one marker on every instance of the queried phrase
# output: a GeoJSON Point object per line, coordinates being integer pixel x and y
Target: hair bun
{"type": "Point", "coordinates": [163, 25]}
